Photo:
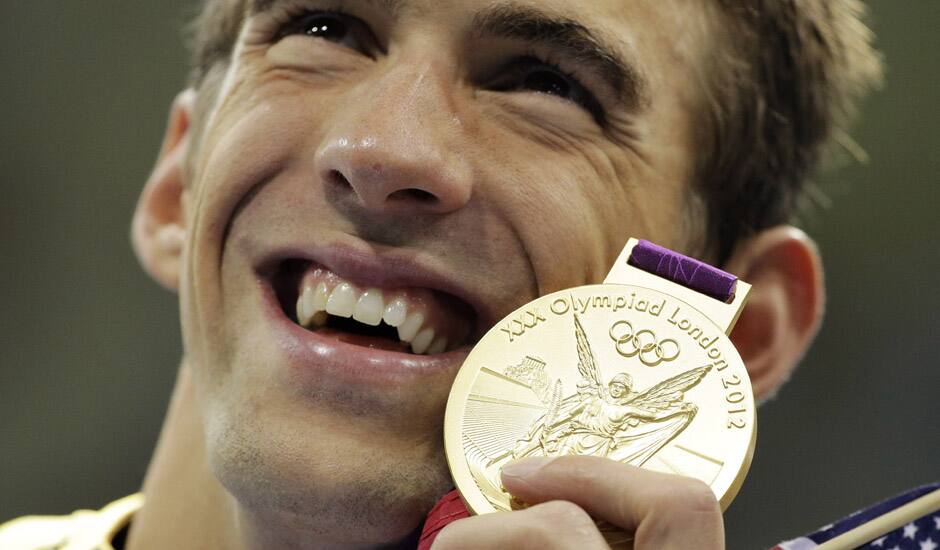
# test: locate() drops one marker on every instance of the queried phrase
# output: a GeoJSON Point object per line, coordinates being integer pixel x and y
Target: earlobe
{"type": "Point", "coordinates": [158, 230]}
{"type": "Point", "coordinates": [785, 307]}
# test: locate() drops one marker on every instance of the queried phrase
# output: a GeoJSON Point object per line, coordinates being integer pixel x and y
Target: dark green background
{"type": "Point", "coordinates": [90, 345]}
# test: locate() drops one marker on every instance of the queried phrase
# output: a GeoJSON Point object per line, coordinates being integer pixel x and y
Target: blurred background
{"type": "Point", "coordinates": [90, 344]}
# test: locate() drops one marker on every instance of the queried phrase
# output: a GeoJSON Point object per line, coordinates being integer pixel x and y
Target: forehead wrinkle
{"type": "Point", "coordinates": [393, 7]}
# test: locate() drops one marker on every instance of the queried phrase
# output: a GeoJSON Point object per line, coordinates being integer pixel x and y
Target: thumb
{"type": "Point", "coordinates": [662, 510]}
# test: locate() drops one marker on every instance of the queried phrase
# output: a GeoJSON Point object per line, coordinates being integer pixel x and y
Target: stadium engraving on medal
{"type": "Point", "coordinates": [620, 371]}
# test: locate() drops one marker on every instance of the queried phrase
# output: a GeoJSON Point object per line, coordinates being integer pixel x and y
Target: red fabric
{"type": "Point", "coordinates": [449, 509]}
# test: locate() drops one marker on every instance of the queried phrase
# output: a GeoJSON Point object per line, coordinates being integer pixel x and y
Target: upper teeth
{"type": "Point", "coordinates": [368, 307]}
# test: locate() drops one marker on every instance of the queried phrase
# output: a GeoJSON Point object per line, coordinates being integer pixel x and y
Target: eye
{"type": "Point", "coordinates": [547, 82]}
{"type": "Point", "coordinates": [339, 28]}
{"type": "Point", "coordinates": [530, 74]}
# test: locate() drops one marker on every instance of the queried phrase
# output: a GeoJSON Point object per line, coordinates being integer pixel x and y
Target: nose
{"type": "Point", "coordinates": [395, 146]}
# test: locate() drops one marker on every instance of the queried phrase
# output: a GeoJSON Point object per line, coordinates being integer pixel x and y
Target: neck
{"type": "Point", "coordinates": [185, 506]}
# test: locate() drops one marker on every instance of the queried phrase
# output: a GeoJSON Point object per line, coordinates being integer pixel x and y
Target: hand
{"type": "Point", "coordinates": [661, 510]}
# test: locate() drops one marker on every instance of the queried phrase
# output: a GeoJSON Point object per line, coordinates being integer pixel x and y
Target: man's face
{"type": "Point", "coordinates": [463, 157]}
{"type": "Point", "coordinates": [617, 389]}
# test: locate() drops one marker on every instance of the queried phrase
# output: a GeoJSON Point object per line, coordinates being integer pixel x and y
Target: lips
{"type": "Point", "coordinates": [346, 352]}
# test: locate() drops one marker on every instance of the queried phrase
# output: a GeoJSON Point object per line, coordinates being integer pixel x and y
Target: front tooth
{"type": "Point", "coordinates": [408, 329]}
{"type": "Point", "coordinates": [438, 346]}
{"type": "Point", "coordinates": [395, 313]}
{"type": "Point", "coordinates": [422, 341]}
{"type": "Point", "coordinates": [369, 308]}
{"type": "Point", "coordinates": [342, 301]}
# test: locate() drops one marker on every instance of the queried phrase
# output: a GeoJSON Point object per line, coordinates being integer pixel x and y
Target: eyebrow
{"type": "Point", "coordinates": [529, 24]}
{"type": "Point", "coordinates": [572, 39]}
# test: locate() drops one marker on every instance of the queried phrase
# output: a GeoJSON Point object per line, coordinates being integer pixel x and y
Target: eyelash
{"type": "Point", "coordinates": [531, 60]}
{"type": "Point", "coordinates": [294, 14]}
{"type": "Point", "coordinates": [286, 16]}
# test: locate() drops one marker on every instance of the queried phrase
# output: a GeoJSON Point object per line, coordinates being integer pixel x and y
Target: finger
{"type": "Point", "coordinates": [554, 524]}
{"type": "Point", "coordinates": [662, 510]}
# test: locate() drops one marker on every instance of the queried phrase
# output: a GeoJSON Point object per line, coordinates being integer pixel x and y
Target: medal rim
{"type": "Point", "coordinates": [455, 411]}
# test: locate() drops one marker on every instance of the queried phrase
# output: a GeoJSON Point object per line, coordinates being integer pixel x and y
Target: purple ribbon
{"type": "Point", "coordinates": [683, 270]}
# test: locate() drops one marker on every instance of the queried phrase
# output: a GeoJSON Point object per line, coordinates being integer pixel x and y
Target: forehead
{"type": "Point", "coordinates": [571, 8]}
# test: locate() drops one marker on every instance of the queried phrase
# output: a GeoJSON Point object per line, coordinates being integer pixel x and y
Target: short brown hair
{"type": "Point", "coordinates": [783, 94]}
{"type": "Point", "coordinates": [784, 88]}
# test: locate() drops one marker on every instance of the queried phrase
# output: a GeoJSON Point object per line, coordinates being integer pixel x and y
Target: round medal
{"type": "Point", "coordinates": [636, 372]}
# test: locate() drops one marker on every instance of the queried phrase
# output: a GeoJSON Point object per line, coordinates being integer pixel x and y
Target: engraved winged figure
{"type": "Point", "coordinates": [612, 419]}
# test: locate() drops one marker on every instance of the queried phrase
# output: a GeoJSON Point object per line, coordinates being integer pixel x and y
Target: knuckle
{"type": "Point", "coordinates": [685, 503]}
{"type": "Point", "coordinates": [557, 524]}
{"type": "Point", "coordinates": [564, 513]}
{"type": "Point", "coordinates": [533, 533]}
{"type": "Point", "coordinates": [699, 498]}
{"type": "Point", "coordinates": [685, 495]}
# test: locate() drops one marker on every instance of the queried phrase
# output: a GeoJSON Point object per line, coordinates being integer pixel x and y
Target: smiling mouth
{"type": "Point", "coordinates": [408, 320]}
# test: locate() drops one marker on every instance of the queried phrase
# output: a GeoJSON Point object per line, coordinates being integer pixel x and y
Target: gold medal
{"type": "Point", "coordinates": [639, 369]}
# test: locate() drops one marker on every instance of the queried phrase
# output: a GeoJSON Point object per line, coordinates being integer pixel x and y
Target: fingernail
{"type": "Point", "coordinates": [526, 467]}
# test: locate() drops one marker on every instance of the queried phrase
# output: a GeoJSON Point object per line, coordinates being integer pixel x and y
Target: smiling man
{"type": "Point", "coordinates": [352, 192]}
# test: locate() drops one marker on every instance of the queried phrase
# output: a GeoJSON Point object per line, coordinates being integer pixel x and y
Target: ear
{"type": "Point", "coordinates": [785, 307]}
{"type": "Point", "coordinates": [158, 231]}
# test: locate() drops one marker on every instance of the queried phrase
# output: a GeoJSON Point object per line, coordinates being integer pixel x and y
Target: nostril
{"type": "Point", "coordinates": [419, 195]}
{"type": "Point", "coordinates": [375, 194]}
{"type": "Point", "coordinates": [337, 178]}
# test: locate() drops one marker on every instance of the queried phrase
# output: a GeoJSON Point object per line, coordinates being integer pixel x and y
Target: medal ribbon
{"type": "Point", "coordinates": [449, 509]}
{"type": "Point", "coordinates": [683, 270]}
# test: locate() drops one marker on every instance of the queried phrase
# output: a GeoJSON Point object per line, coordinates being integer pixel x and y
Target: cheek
{"type": "Point", "coordinates": [250, 141]}
{"type": "Point", "coordinates": [571, 212]}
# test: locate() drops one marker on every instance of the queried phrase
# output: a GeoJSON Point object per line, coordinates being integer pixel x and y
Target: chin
{"type": "Point", "coordinates": [333, 485]}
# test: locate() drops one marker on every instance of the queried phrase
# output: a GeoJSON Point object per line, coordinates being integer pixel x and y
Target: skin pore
{"type": "Point", "coordinates": [424, 139]}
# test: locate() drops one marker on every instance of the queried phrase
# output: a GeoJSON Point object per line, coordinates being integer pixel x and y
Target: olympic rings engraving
{"type": "Point", "coordinates": [642, 344]}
